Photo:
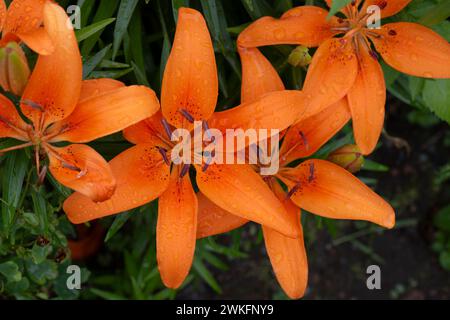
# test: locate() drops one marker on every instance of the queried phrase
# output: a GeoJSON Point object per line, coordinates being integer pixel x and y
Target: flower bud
{"type": "Point", "coordinates": [349, 157]}
{"type": "Point", "coordinates": [300, 57]}
{"type": "Point", "coordinates": [14, 70]}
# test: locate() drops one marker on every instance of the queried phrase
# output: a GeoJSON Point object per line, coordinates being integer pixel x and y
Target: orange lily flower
{"type": "Point", "coordinates": [143, 172]}
{"type": "Point", "coordinates": [318, 186]}
{"type": "Point", "coordinates": [347, 66]}
{"type": "Point", "coordinates": [22, 21]}
{"type": "Point", "coordinates": [62, 107]}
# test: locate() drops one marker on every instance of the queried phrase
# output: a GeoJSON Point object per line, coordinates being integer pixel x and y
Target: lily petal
{"type": "Point", "coordinates": [258, 75]}
{"type": "Point", "coordinates": [330, 191]}
{"type": "Point", "coordinates": [190, 78]}
{"type": "Point", "coordinates": [414, 49]}
{"type": "Point", "coordinates": [390, 7]}
{"type": "Point", "coordinates": [24, 16]}
{"type": "Point", "coordinates": [287, 255]}
{"type": "Point", "coordinates": [81, 168]}
{"type": "Point", "coordinates": [108, 113]}
{"type": "Point", "coordinates": [275, 110]}
{"type": "Point", "coordinates": [2, 14]}
{"type": "Point", "coordinates": [330, 76]}
{"type": "Point", "coordinates": [176, 230]}
{"type": "Point", "coordinates": [95, 87]}
{"type": "Point", "coordinates": [141, 176]}
{"type": "Point", "coordinates": [305, 25]}
{"type": "Point", "coordinates": [307, 136]}
{"type": "Point", "coordinates": [10, 119]}
{"type": "Point", "coordinates": [367, 99]}
{"type": "Point", "coordinates": [55, 82]}
{"type": "Point", "coordinates": [213, 220]}
{"type": "Point", "coordinates": [241, 191]}
{"type": "Point", "coordinates": [149, 130]}
{"type": "Point", "coordinates": [38, 40]}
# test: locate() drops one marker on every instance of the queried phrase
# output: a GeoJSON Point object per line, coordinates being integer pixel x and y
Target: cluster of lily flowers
{"type": "Point", "coordinates": [344, 81]}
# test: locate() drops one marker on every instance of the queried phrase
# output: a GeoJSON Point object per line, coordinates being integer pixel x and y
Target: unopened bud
{"type": "Point", "coordinates": [14, 70]}
{"type": "Point", "coordinates": [349, 157]}
{"type": "Point", "coordinates": [300, 57]}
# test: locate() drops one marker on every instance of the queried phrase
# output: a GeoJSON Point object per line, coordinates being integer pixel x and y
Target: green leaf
{"type": "Point", "coordinates": [40, 208]}
{"type": "Point", "coordinates": [94, 61]}
{"type": "Point", "coordinates": [105, 10]}
{"type": "Point", "coordinates": [336, 6]}
{"type": "Point", "coordinates": [40, 253]}
{"type": "Point", "coordinates": [11, 271]}
{"type": "Point", "coordinates": [257, 8]}
{"type": "Point", "coordinates": [13, 176]}
{"type": "Point", "coordinates": [442, 219]}
{"type": "Point", "coordinates": [444, 260]}
{"type": "Point", "coordinates": [92, 29]}
{"type": "Point", "coordinates": [206, 275]}
{"type": "Point", "coordinates": [42, 272]}
{"type": "Point", "coordinates": [167, 46]}
{"type": "Point", "coordinates": [126, 9]}
{"type": "Point", "coordinates": [31, 219]}
{"type": "Point", "coordinates": [215, 17]}
{"type": "Point", "coordinates": [438, 13]}
{"type": "Point", "coordinates": [416, 87]}
{"type": "Point", "coordinates": [114, 74]}
{"type": "Point", "coordinates": [436, 95]}
{"type": "Point", "coordinates": [106, 295]}
{"type": "Point", "coordinates": [117, 224]}
{"type": "Point", "coordinates": [176, 4]}
{"type": "Point", "coordinates": [140, 75]}
{"type": "Point", "coordinates": [370, 165]}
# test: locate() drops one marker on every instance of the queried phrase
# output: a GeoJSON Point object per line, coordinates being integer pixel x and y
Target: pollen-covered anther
{"type": "Point", "coordinates": [189, 117]}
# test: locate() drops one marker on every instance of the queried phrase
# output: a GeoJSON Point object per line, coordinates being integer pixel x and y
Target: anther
{"type": "Point", "coordinates": [70, 167]}
{"type": "Point", "coordinates": [184, 170]}
{"type": "Point", "coordinates": [293, 190]}
{"type": "Point", "coordinates": [305, 140]}
{"type": "Point", "coordinates": [206, 165]}
{"type": "Point", "coordinates": [206, 129]}
{"type": "Point", "coordinates": [166, 128]}
{"type": "Point", "coordinates": [373, 54]}
{"type": "Point", "coordinates": [163, 153]}
{"type": "Point", "coordinates": [33, 105]}
{"type": "Point", "coordinates": [311, 172]}
{"type": "Point", "coordinates": [187, 115]}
